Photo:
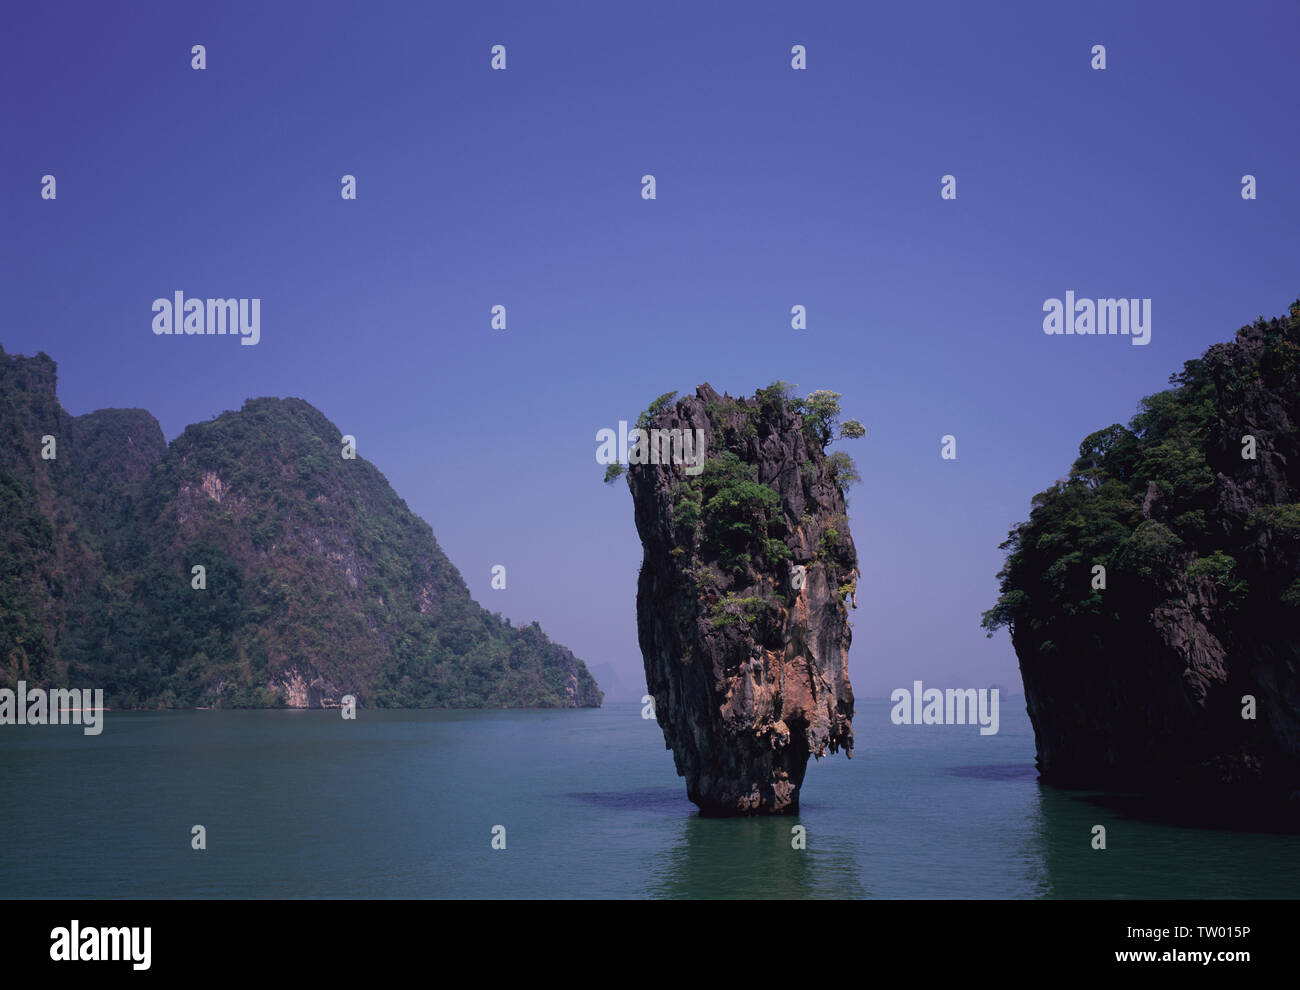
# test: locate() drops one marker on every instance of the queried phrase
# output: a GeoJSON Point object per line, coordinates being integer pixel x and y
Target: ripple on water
{"type": "Point", "coordinates": [1003, 771]}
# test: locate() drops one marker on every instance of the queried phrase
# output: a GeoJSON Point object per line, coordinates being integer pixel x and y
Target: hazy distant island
{"type": "Point", "coordinates": [314, 580]}
{"type": "Point", "coordinates": [748, 576]}
{"type": "Point", "coordinates": [1153, 596]}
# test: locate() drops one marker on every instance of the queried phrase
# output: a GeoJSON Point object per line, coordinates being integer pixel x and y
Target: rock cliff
{"type": "Point", "coordinates": [63, 505]}
{"type": "Point", "coordinates": [1153, 597]}
{"type": "Point", "coordinates": [318, 581]}
{"type": "Point", "coordinates": [743, 596]}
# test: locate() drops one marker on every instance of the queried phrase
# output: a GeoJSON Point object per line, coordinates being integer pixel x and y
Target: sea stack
{"type": "Point", "coordinates": [744, 593]}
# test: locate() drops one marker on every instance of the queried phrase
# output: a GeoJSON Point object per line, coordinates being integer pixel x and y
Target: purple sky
{"type": "Point", "coordinates": [775, 187]}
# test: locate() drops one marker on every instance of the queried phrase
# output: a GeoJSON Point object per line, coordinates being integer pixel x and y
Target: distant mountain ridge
{"type": "Point", "coordinates": [320, 582]}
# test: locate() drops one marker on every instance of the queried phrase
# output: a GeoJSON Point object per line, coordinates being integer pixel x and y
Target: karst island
{"type": "Point", "coordinates": [743, 599]}
{"type": "Point", "coordinates": [1153, 595]}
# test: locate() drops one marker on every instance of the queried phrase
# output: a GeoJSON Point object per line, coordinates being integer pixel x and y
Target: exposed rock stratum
{"type": "Point", "coordinates": [743, 598]}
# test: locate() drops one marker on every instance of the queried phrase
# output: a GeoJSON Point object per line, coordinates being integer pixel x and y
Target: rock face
{"type": "Point", "coordinates": [741, 602]}
{"type": "Point", "coordinates": [1180, 675]}
{"type": "Point", "coordinates": [318, 581]}
{"type": "Point", "coordinates": [64, 503]}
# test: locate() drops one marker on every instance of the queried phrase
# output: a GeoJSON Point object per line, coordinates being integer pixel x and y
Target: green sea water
{"type": "Point", "coordinates": [404, 804]}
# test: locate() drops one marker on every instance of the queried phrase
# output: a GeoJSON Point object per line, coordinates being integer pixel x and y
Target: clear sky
{"type": "Point", "coordinates": [775, 187]}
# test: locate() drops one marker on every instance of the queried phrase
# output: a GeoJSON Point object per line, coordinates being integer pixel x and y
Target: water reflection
{"type": "Point", "coordinates": [1154, 850]}
{"type": "Point", "coordinates": [752, 859]}
{"type": "Point", "coordinates": [994, 831]}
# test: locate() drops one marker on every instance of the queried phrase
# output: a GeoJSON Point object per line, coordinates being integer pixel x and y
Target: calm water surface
{"type": "Point", "coordinates": [402, 804]}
